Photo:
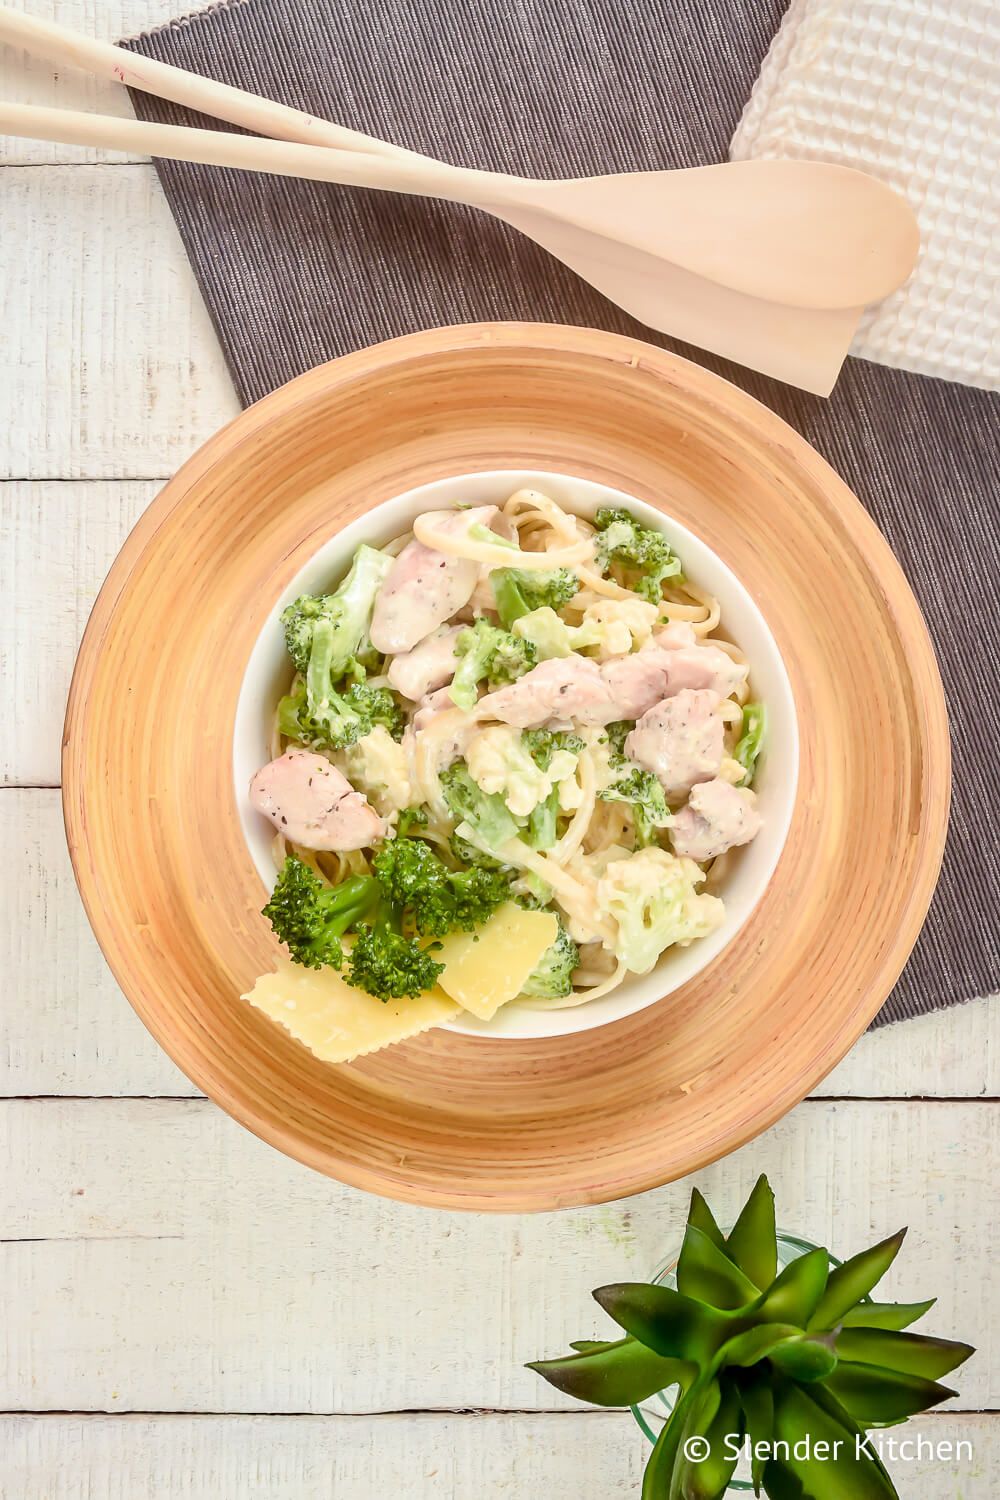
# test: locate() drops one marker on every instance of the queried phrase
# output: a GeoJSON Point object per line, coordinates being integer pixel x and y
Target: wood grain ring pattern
{"type": "Point", "coordinates": [448, 1120]}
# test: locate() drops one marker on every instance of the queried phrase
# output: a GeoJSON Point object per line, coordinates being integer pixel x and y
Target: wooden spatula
{"type": "Point", "coordinates": [802, 233]}
{"type": "Point", "coordinates": [804, 347]}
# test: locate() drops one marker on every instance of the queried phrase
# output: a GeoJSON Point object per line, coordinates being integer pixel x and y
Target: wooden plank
{"type": "Point", "coordinates": [107, 341]}
{"type": "Point", "coordinates": [57, 542]}
{"type": "Point", "coordinates": [30, 80]}
{"type": "Point", "coordinates": [65, 1027]}
{"type": "Point", "coordinates": [947, 1054]}
{"type": "Point", "coordinates": [156, 1257]}
{"type": "Point", "coordinates": [70, 1030]}
{"type": "Point", "coordinates": [503, 1457]}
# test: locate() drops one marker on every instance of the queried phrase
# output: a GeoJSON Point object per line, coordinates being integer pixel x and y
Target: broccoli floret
{"type": "Point", "coordinates": [377, 706]}
{"type": "Point", "coordinates": [388, 965]}
{"type": "Point", "coordinates": [473, 897]}
{"type": "Point", "coordinates": [542, 744]}
{"type": "Point", "coordinates": [325, 637]}
{"type": "Point", "coordinates": [485, 651]}
{"type": "Point", "coordinates": [479, 814]}
{"type": "Point", "coordinates": [751, 740]}
{"type": "Point", "coordinates": [638, 550]}
{"type": "Point", "coordinates": [617, 732]}
{"type": "Point", "coordinates": [542, 830]}
{"type": "Point", "coordinates": [348, 610]}
{"type": "Point", "coordinates": [644, 794]}
{"type": "Point", "coordinates": [552, 976]}
{"type": "Point", "coordinates": [441, 900]}
{"type": "Point", "coordinates": [330, 725]}
{"type": "Point", "coordinates": [531, 891]}
{"type": "Point", "coordinates": [337, 720]}
{"type": "Point", "coordinates": [406, 868]}
{"type": "Point", "coordinates": [519, 591]}
{"type": "Point", "coordinates": [470, 857]}
{"type": "Point", "coordinates": [310, 917]}
{"type": "Point", "coordinates": [409, 819]}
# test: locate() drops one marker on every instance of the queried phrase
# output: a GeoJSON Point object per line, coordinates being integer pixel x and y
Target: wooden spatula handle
{"type": "Point", "coordinates": [251, 111]}
{"type": "Point", "coordinates": [223, 148]}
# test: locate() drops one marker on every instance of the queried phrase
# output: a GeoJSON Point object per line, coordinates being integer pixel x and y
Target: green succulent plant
{"type": "Point", "coordinates": [798, 1364]}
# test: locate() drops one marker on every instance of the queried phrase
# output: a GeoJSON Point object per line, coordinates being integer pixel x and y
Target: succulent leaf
{"type": "Point", "coordinates": [591, 1346]}
{"type": "Point", "coordinates": [753, 1241]}
{"type": "Point", "coordinates": [875, 1394]}
{"type": "Point", "coordinates": [663, 1465]}
{"type": "Point", "coordinates": [707, 1274]}
{"type": "Point", "coordinates": [708, 1478]}
{"type": "Point", "coordinates": [854, 1279]}
{"type": "Point", "coordinates": [757, 1399]}
{"type": "Point", "coordinates": [703, 1414]}
{"type": "Point", "coordinates": [795, 1294]}
{"type": "Point", "coordinates": [618, 1374]}
{"type": "Point", "coordinates": [886, 1314]}
{"type": "Point", "coordinates": [913, 1353]}
{"type": "Point", "coordinates": [780, 1483]}
{"type": "Point", "coordinates": [822, 1397]}
{"type": "Point", "coordinates": [754, 1344]}
{"type": "Point", "coordinates": [700, 1216]}
{"type": "Point", "coordinates": [804, 1359]}
{"type": "Point", "coordinates": [825, 1475]}
{"type": "Point", "coordinates": [666, 1321]}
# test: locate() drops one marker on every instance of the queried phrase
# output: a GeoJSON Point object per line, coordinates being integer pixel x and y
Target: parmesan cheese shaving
{"type": "Point", "coordinates": [486, 968]}
{"type": "Point", "coordinates": [338, 1023]}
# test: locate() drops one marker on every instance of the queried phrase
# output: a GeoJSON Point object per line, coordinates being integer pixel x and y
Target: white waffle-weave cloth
{"type": "Point", "coordinates": [908, 90]}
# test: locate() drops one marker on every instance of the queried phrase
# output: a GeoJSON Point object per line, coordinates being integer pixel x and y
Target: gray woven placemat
{"type": "Point", "coordinates": [295, 273]}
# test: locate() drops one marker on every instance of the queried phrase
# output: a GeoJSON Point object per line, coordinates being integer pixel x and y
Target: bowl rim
{"type": "Point", "coordinates": [675, 968]}
{"type": "Point", "coordinates": [857, 1004]}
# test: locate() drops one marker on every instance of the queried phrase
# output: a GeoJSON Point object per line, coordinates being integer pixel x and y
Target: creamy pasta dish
{"type": "Point", "coordinates": [509, 735]}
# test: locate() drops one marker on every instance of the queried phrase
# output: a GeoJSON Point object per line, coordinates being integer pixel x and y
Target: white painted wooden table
{"type": "Point", "coordinates": [183, 1311]}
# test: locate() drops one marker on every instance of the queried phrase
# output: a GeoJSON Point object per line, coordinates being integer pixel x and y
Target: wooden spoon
{"type": "Point", "coordinates": [805, 346]}
{"type": "Point", "coordinates": [802, 234]}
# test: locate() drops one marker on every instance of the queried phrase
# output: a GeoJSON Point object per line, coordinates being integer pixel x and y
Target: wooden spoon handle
{"type": "Point", "coordinates": [251, 111]}
{"type": "Point", "coordinates": [221, 148]}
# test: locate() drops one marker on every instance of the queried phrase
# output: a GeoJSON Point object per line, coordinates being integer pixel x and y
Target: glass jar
{"type": "Point", "coordinates": [652, 1413]}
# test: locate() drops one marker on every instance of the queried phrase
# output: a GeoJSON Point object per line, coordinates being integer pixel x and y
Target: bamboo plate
{"type": "Point", "coordinates": [448, 1120]}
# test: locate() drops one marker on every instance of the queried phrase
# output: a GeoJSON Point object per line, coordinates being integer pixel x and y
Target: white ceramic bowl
{"type": "Point", "coordinates": [776, 776]}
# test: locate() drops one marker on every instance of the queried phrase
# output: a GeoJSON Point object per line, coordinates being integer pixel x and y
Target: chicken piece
{"type": "Point", "coordinates": [313, 804]}
{"type": "Point", "coordinates": [680, 740]}
{"type": "Point", "coordinates": [718, 816]}
{"type": "Point", "coordinates": [429, 666]}
{"type": "Point", "coordinates": [577, 688]}
{"type": "Point", "coordinates": [425, 587]}
{"type": "Point", "coordinates": [634, 684]}
{"type": "Point", "coordinates": [423, 590]}
{"type": "Point", "coordinates": [695, 665]}
{"type": "Point", "coordinates": [565, 687]}
{"type": "Point", "coordinates": [483, 600]}
{"type": "Point", "coordinates": [450, 746]}
{"type": "Point", "coordinates": [438, 702]}
{"type": "Point", "coordinates": [678, 633]}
